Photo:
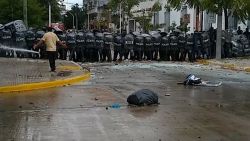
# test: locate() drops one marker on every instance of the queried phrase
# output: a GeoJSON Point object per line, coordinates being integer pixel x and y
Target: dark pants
{"type": "Point", "coordinates": [52, 58]}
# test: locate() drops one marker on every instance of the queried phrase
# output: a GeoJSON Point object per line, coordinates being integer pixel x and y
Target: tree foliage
{"type": "Point", "coordinates": [240, 8]}
{"type": "Point", "coordinates": [37, 11]}
{"type": "Point", "coordinates": [126, 6]}
{"type": "Point", "coordinates": [79, 13]}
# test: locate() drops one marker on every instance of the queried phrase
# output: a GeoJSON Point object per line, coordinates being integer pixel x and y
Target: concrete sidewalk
{"type": "Point", "coordinates": [236, 64]}
{"type": "Point", "coordinates": [15, 72]}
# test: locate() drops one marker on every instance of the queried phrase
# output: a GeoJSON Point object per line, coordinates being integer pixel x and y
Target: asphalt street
{"type": "Point", "coordinates": [82, 112]}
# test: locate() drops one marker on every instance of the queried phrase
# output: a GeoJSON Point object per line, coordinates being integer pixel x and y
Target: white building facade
{"type": "Point", "coordinates": [166, 18]}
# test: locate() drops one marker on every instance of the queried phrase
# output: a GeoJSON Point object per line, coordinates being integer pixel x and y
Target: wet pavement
{"type": "Point", "coordinates": [15, 71]}
{"type": "Point", "coordinates": [82, 112]}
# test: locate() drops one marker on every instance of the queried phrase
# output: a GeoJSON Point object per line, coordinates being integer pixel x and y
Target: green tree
{"type": "Point", "coordinates": [13, 10]}
{"type": "Point", "coordinates": [37, 11]}
{"type": "Point", "coordinates": [79, 17]}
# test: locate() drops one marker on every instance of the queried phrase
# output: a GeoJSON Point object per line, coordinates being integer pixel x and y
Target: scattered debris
{"type": "Point", "coordinates": [96, 98]}
{"type": "Point", "coordinates": [195, 81]}
{"type": "Point", "coordinates": [115, 106]}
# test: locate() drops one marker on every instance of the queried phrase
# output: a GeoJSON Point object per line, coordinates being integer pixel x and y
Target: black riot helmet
{"type": "Point", "coordinates": [39, 34]}
{"type": "Point", "coordinates": [156, 39]}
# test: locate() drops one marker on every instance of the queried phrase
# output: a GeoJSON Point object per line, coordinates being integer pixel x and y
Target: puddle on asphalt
{"type": "Point", "coordinates": [143, 111]}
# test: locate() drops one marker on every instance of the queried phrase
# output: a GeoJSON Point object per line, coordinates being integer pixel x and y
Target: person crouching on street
{"type": "Point", "coordinates": [50, 39]}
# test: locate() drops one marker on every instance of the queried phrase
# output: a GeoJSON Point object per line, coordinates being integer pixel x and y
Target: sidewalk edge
{"type": "Point", "coordinates": [45, 85]}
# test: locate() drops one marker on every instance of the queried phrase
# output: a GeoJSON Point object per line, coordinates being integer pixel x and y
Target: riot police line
{"type": "Point", "coordinates": [87, 46]}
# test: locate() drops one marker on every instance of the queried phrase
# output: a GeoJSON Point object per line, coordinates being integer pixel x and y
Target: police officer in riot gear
{"type": "Point", "coordinates": [156, 39]}
{"type": "Point", "coordinates": [174, 53]}
{"type": "Point", "coordinates": [189, 47]}
{"type": "Point", "coordinates": [164, 50]}
{"type": "Point", "coordinates": [196, 53]}
{"type": "Point", "coordinates": [30, 38]}
{"type": "Point", "coordinates": [80, 43]}
{"type": "Point", "coordinates": [108, 39]}
{"type": "Point", "coordinates": [129, 46]}
{"type": "Point", "coordinates": [118, 41]}
{"type": "Point", "coordinates": [42, 49]}
{"type": "Point", "coordinates": [139, 44]}
{"type": "Point", "coordinates": [148, 45]}
{"type": "Point", "coordinates": [20, 42]}
{"type": "Point", "coordinates": [62, 51]}
{"type": "Point", "coordinates": [181, 46]}
{"type": "Point", "coordinates": [99, 42]}
{"type": "Point", "coordinates": [5, 40]}
{"type": "Point", "coordinates": [71, 43]}
{"type": "Point", "coordinates": [205, 43]}
{"type": "Point", "coordinates": [90, 51]}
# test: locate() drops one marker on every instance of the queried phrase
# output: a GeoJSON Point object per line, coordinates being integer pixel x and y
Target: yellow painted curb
{"type": "Point", "coordinates": [247, 69]}
{"type": "Point", "coordinates": [203, 62]}
{"type": "Point", "coordinates": [61, 68]}
{"type": "Point", "coordinates": [44, 85]}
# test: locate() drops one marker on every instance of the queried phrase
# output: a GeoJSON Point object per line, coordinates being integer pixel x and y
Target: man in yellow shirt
{"type": "Point", "coordinates": [50, 39]}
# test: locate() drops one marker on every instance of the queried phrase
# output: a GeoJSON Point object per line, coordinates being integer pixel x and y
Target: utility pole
{"type": "Point", "coordinates": [73, 19]}
{"type": "Point", "coordinates": [120, 17]}
{"type": "Point", "coordinates": [25, 17]}
{"type": "Point", "coordinates": [76, 21]}
{"type": "Point", "coordinates": [49, 14]}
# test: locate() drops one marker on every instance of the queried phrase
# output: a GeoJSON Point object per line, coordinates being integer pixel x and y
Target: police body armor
{"type": "Point", "coordinates": [197, 46]}
{"type": "Point", "coordinates": [90, 52]}
{"type": "Point", "coordinates": [20, 43]}
{"type": "Point", "coordinates": [190, 47]}
{"type": "Point", "coordinates": [30, 38]}
{"type": "Point", "coordinates": [156, 39]}
{"type": "Point", "coordinates": [108, 41]}
{"type": "Point", "coordinates": [174, 48]}
{"type": "Point", "coordinates": [205, 45]}
{"type": "Point", "coordinates": [148, 45]}
{"type": "Point", "coordinates": [139, 43]}
{"type": "Point", "coordinates": [61, 50]}
{"type": "Point", "coordinates": [6, 41]}
{"type": "Point", "coordinates": [41, 49]}
{"type": "Point", "coordinates": [80, 44]}
{"type": "Point", "coordinates": [118, 41]}
{"type": "Point", "coordinates": [71, 43]}
{"type": "Point", "coordinates": [165, 49]}
{"type": "Point", "coordinates": [129, 45]}
{"type": "Point", "coordinates": [181, 46]}
{"type": "Point", "coordinates": [99, 43]}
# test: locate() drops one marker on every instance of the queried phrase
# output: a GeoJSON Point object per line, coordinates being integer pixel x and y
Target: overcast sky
{"type": "Point", "coordinates": [68, 6]}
